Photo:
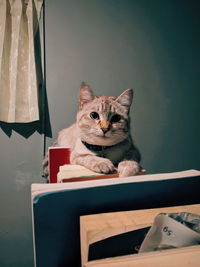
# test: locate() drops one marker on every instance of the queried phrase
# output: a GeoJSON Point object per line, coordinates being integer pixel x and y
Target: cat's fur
{"type": "Point", "coordinates": [100, 139]}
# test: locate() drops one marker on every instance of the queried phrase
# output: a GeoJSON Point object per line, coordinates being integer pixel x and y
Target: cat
{"type": "Point", "coordinates": [100, 139]}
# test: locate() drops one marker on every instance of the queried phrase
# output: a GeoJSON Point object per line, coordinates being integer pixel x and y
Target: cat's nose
{"type": "Point", "coordinates": [105, 126]}
{"type": "Point", "coordinates": [105, 130]}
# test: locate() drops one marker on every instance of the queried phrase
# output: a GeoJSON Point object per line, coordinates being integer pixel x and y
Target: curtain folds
{"type": "Point", "coordinates": [19, 96]}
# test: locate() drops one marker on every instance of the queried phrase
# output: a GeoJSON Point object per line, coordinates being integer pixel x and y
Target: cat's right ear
{"type": "Point", "coordinates": [85, 94]}
{"type": "Point", "coordinates": [125, 99]}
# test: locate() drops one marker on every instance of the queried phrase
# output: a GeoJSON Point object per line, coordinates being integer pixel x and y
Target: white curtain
{"type": "Point", "coordinates": [19, 22]}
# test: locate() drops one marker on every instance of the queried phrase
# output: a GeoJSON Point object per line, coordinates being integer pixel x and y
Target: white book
{"type": "Point", "coordinates": [42, 188]}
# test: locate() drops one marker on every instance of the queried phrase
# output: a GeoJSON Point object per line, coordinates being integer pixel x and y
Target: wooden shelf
{"type": "Point", "coordinates": [97, 227]}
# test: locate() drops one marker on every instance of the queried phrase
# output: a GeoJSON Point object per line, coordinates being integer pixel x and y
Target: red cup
{"type": "Point", "coordinates": [58, 156]}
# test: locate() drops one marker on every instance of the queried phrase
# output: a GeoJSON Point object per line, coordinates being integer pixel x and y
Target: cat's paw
{"type": "Point", "coordinates": [102, 165]}
{"type": "Point", "coordinates": [128, 168]}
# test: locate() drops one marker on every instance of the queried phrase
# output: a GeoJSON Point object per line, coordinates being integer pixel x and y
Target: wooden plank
{"type": "Point", "coordinates": [181, 257]}
{"type": "Point", "coordinates": [97, 227]}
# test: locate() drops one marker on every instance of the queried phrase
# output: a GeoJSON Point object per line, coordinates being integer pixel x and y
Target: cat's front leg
{"type": "Point", "coordinates": [128, 168]}
{"type": "Point", "coordinates": [94, 163]}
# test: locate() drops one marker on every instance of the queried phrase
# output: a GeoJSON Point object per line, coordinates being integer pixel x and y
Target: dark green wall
{"type": "Point", "coordinates": [151, 46]}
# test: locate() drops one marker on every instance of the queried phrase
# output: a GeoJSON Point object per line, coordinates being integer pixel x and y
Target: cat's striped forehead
{"type": "Point", "coordinates": [105, 104]}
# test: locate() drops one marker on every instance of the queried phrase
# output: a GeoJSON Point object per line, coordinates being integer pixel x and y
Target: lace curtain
{"type": "Point", "coordinates": [19, 22]}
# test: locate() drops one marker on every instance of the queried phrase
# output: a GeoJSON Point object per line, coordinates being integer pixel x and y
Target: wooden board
{"type": "Point", "coordinates": [181, 257]}
{"type": "Point", "coordinates": [97, 227]}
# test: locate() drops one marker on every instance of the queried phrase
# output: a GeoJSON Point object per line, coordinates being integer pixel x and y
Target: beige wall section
{"type": "Point", "coordinates": [151, 46]}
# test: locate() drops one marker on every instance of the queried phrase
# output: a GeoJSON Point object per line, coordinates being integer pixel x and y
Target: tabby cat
{"type": "Point", "coordinates": [100, 139]}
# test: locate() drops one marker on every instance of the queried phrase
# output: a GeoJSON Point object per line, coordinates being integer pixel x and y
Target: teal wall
{"type": "Point", "coordinates": [151, 46]}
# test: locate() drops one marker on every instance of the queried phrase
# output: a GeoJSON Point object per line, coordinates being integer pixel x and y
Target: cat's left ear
{"type": "Point", "coordinates": [85, 94]}
{"type": "Point", "coordinates": [125, 99]}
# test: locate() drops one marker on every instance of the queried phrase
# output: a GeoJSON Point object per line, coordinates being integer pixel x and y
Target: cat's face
{"type": "Point", "coordinates": [103, 120]}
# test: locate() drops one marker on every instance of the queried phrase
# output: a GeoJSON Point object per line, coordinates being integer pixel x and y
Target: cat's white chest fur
{"type": "Point", "coordinates": [114, 153]}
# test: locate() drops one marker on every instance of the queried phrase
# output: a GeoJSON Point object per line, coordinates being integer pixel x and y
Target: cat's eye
{"type": "Point", "coordinates": [115, 118]}
{"type": "Point", "coordinates": [94, 115]}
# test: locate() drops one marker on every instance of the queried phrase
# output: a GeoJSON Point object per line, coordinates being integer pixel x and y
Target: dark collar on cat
{"type": "Point", "coordinates": [95, 147]}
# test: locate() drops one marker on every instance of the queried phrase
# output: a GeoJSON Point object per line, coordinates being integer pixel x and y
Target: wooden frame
{"type": "Point", "coordinates": [97, 227]}
{"type": "Point", "coordinates": [180, 257]}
